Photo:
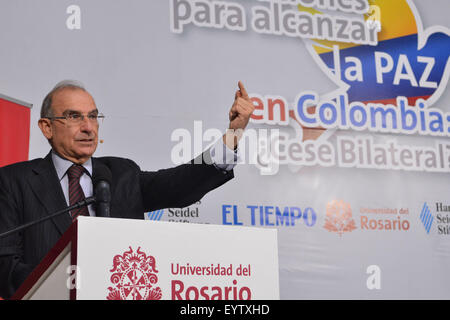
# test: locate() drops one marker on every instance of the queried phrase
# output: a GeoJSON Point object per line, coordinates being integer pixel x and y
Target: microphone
{"type": "Point", "coordinates": [77, 205]}
{"type": "Point", "coordinates": [102, 191]}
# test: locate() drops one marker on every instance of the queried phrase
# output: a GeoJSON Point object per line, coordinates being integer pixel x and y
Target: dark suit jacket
{"type": "Point", "coordinates": [31, 190]}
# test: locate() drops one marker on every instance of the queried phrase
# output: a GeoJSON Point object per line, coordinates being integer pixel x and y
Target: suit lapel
{"type": "Point", "coordinates": [46, 186]}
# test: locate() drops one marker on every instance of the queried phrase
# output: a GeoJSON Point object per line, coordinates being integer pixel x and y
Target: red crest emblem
{"type": "Point", "coordinates": [339, 217]}
{"type": "Point", "coordinates": [134, 277]}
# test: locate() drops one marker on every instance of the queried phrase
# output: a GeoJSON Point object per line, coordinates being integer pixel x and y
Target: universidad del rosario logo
{"type": "Point", "coordinates": [134, 277]}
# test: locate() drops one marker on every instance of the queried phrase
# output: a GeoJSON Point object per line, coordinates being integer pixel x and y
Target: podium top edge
{"type": "Point", "coordinates": [17, 101]}
{"type": "Point", "coordinates": [178, 224]}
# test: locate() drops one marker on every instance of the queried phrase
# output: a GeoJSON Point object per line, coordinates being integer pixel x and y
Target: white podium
{"type": "Point", "coordinates": [123, 259]}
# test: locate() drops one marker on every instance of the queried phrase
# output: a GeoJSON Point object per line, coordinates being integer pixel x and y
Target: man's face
{"type": "Point", "coordinates": [76, 142]}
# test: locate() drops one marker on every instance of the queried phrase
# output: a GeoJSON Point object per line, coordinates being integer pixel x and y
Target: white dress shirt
{"type": "Point", "coordinates": [61, 166]}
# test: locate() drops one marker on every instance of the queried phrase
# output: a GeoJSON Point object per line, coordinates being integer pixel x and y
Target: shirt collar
{"type": "Point", "coordinates": [62, 165]}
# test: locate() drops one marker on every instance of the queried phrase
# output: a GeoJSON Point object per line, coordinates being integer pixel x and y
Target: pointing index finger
{"type": "Point", "coordinates": [242, 89]}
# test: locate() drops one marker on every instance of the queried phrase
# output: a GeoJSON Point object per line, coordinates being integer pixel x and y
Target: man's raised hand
{"type": "Point", "coordinates": [241, 109]}
{"type": "Point", "coordinates": [239, 116]}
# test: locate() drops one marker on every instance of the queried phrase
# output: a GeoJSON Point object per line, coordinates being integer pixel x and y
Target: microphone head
{"type": "Point", "coordinates": [101, 173]}
{"type": "Point", "coordinates": [101, 180]}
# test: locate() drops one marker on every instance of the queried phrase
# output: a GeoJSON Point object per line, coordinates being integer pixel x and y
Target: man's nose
{"type": "Point", "coordinates": [86, 124]}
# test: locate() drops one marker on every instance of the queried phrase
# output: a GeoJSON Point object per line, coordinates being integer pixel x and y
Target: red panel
{"type": "Point", "coordinates": [14, 132]}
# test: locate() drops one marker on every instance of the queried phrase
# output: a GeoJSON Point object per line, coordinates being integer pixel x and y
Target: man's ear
{"type": "Point", "coordinates": [46, 128]}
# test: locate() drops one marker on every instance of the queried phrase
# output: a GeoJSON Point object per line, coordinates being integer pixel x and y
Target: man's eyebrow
{"type": "Point", "coordinates": [75, 111]}
{"type": "Point", "coordinates": [68, 111]}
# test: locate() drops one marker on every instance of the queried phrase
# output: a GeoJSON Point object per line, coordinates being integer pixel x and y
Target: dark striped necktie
{"type": "Point", "coordinates": [75, 191]}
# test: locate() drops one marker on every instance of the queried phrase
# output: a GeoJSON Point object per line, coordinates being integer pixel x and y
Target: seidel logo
{"type": "Point", "coordinates": [339, 217]}
{"type": "Point", "coordinates": [134, 277]}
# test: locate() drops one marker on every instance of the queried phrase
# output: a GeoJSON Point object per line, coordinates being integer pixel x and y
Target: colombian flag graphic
{"type": "Point", "coordinates": [407, 61]}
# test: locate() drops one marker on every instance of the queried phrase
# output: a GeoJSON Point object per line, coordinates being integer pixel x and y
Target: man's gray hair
{"type": "Point", "coordinates": [46, 109]}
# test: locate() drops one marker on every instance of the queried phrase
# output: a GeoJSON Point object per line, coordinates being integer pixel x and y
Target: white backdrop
{"type": "Point", "coordinates": [150, 81]}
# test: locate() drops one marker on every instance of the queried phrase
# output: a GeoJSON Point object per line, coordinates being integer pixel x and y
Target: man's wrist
{"type": "Point", "coordinates": [223, 157]}
{"type": "Point", "coordinates": [231, 138]}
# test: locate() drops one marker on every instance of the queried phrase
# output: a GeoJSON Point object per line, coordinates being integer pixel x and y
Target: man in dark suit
{"type": "Point", "coordinates": [34, 189]}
